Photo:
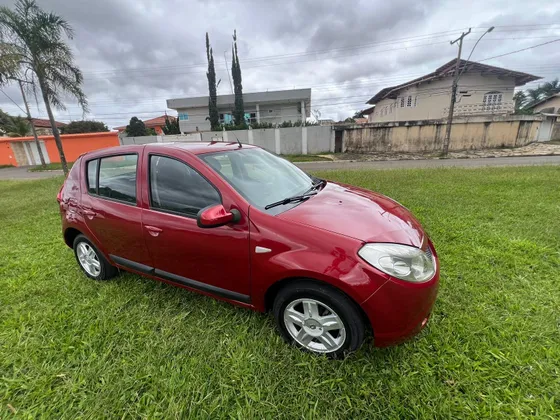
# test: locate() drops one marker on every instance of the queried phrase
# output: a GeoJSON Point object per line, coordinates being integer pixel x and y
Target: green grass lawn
{"type": "Point", "coordinates": [50, 167]}
{"type": "Point", "coordinates": [131, 347]}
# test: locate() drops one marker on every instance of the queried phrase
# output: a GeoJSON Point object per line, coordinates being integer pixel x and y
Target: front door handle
{"type": "Point", "coordinates": [154, 231]}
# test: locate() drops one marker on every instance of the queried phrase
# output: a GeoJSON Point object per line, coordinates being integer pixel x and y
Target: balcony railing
{"type": "Point", "coordinates": [480, 109]}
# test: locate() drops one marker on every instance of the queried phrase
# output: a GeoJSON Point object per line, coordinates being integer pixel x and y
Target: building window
{"type": "Point", "coordinates": [492, 101]}
{"type": "Point", "coordinates": [415, 101]}
{"type": "Point", "coordinates": [183, 116]}
{"type": "Point", "coordinates": [251, 117]}
{"type": "Point", "coordinates": [270, 111]}
{"type": "Point", "coordinates": [226, 118]}
{"type": "Point", "coordinates": [409, 101]}
{"type": "Point", "coordinates": [402, 102]}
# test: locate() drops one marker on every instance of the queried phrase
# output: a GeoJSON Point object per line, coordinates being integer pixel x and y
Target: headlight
{"type": "Point", "coordinates": [401, 261]}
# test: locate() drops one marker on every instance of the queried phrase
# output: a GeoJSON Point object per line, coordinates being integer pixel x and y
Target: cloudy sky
{"type": "Point", "coordinates": [135, 54]}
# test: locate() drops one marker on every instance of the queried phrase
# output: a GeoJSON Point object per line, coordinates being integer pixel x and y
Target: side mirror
{"type": "Point", "coordinates": [216, 215]}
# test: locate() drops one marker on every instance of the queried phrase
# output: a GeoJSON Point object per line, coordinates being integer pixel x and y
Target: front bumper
{"type": "Point", "coordinates": [399, 310]}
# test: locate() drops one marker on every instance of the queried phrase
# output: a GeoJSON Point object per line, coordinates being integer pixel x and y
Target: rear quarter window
{"type": "Point", "coordinates": [72, 183]}
{"type": "Point", "coordinates": [91, 171]}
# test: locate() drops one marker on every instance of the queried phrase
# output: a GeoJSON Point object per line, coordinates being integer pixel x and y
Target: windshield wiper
{"type": "Point", "coordinates": [318, 183]}
{"type": "Point", "coordinates": [289, 200]}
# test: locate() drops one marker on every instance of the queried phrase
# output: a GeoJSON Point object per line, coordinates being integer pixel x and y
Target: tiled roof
{"type": "Point", "coordinates": [448, 69]}
{"type": "Point", "coordinates": [151, 123]}
{"type": "Point", "coordinates": [39, 123]}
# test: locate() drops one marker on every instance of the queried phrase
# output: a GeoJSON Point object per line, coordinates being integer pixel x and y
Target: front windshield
{"type": "Point", "coordinates": [261, 177]}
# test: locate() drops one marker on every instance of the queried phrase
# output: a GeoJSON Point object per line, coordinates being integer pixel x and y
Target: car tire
{"type": "Point", "coordinates": [91, 261]}
{"type": "Point", "coordinates": [309, 313]}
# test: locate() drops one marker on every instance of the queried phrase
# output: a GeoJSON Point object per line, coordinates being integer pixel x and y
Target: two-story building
{"type": "Point", "coordinates": [482, 90]}
{"type": "Point", "coordinates": [273, 107]}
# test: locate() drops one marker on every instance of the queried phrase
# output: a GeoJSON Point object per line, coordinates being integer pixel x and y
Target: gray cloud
{"type": "Point", "coordinates": [136, 53]}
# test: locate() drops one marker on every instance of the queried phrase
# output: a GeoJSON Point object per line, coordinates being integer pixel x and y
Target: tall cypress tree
{"type": "Point", "coordinates": [214, 116]}
{"type": "Point", "coordinates": [239, 110]}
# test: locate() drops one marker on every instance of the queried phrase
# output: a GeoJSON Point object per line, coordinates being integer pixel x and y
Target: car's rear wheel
{"type": "Point", "coordinates": [319, 319]}
{"type": "Point", "coordinates": [91, 261]}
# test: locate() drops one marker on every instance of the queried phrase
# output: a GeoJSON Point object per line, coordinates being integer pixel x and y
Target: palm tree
{"type": "Point", "coordinates": [17, 127]}
{"type": "Point", "coordinates": [520, 100]}
{"type": "Point", "coordinates": [35, 40]}
{"type": "Point", "coordinates": [550, 88]}
{"type": "Point", "coordinates": [534, 95]}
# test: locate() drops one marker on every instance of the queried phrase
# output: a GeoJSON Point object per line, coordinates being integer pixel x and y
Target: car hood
{"type": "Point", "coordinates": [358, 213]}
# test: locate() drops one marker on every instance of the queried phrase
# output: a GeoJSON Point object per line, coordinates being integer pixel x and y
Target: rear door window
{"type": "Point", "coordinates": [117, 177]}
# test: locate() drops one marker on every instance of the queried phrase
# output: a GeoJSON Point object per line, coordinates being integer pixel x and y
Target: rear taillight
{"type": "Point", "coordinates": [59, 195]}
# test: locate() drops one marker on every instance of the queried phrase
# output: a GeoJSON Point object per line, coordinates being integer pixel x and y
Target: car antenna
{"type": "Point", "coordinates": [238, 142]}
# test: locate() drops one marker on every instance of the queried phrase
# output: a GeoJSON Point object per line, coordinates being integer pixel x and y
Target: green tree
{"type": "Point", "coordinates": [550, 88]}
{"type": "Point", "coordinates": [239, 108]}
{"type": "Point", "coordinates": [85, 126]}
{"type": "Point", "coordinates": [534, 95]}
{"type": "Point", "coordinates": [519, 100]}
{"type": "Point", "coordinates": [35, 39]}
{"type": "Point", "coordinates": [4, 120]}
{"type": "Point", "coordinates": [358, 114]}
{"type": "Point", "coordinates": [171, 126]}
{"type": "Point", "coordinates": [17, 127]}
{"type": "Point", "coordinates": [214, 116]}
{"type": "Point", "coordinates": [136, 128]}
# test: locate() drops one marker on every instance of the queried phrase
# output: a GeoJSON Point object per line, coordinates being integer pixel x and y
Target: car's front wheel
{"type": "Point", "coordinates": [91, 261]}
{"type": "Point", "coordinates": [319, 319]}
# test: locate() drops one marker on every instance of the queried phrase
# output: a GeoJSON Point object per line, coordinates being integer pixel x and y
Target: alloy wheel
{"type": "Point", "coordinates": [314, 325]}
{"type": "Point", "coordinates": [88, 259]}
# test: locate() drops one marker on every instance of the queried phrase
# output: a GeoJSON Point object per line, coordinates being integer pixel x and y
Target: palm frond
{"type": "Point", "coordinates": [38, 45]}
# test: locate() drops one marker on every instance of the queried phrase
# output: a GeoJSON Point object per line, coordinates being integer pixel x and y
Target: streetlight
{"type": "Point", "coordinates": [455, 83]}
{"type": "Point", "coordinates": [490, 29]}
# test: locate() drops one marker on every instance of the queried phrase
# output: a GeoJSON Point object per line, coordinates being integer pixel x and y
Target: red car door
{"type": "Point", "coordinates": [212, 260]}
{"type": "Point", "coordinates": [110, 209]}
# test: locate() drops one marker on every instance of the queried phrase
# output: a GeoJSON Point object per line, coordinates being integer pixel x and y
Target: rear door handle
{"type": "Point", "coordinates": [89, 213]}
{"type": "Point", "coordinates": [154, 231]}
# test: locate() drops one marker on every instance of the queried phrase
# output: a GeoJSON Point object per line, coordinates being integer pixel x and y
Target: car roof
{"type": "Point", "coordinates": [201, 147]}
{"type": "Point", "coordinates": [195, 147]}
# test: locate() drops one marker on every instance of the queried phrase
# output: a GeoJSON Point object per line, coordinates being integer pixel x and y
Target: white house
{"type": "Point", "coordinates": [482, 90]}
{"type": "Point", "coordinates": [272, 107]}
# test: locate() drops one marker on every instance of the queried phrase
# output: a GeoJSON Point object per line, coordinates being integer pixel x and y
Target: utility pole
{"type": "Point", "coordinates": [41, 157]}
{"type": "Point", "coordinates": [453, 93]}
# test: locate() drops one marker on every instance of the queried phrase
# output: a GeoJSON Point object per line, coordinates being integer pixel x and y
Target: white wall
{"type": "Point", "coordinates": [432, 98]}
{"type": "Point", "coordinates": [288, 140]}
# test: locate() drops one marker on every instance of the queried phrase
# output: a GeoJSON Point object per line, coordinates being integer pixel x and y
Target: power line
{"type": "Point", "coordinates": [523, 49]}
{"type": "Point", "coordinates": [149, 72]}
{"type": "Point", "coordinates": [315, 52]}
{"type": "Point", "coordinates": [14, 102]}
{"type": "Point", "coordinates": [344, 85]}
{"type": "Point", "coordinates": [269, 57]}
{"type": "Point", "coordinates": [420, 94]}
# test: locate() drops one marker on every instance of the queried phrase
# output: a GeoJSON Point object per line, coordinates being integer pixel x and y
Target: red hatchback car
{"type": "Point", "coordinates": [331, 261]}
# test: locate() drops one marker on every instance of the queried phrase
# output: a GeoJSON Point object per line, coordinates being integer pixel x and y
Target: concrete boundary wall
{"type": "Point", "coordinates": [428, 136]}
{"type": "Point", "coordinates": [286, 140]}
